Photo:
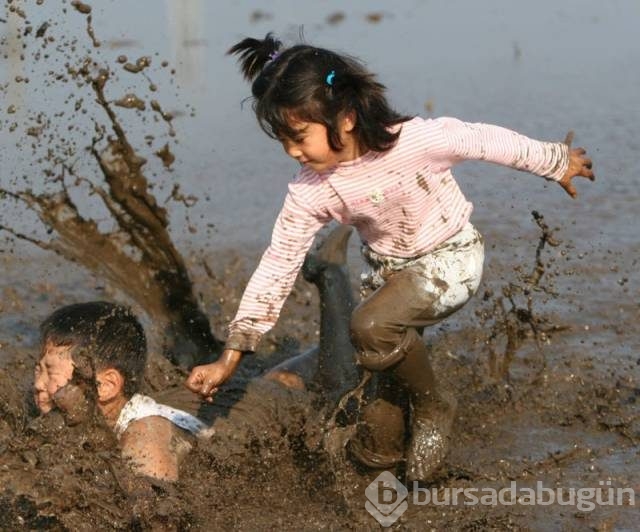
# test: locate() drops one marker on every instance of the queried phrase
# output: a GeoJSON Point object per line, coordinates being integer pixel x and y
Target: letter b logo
{"type": "Point", "coordinates": [386, 499]}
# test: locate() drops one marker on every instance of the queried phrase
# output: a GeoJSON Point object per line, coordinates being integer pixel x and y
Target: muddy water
{"type": "Point", "coordinates": [541, 68]}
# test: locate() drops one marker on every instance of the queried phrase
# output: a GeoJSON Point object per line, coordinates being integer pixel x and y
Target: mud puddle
{"type": "Point", "coordinates": [568, 421]}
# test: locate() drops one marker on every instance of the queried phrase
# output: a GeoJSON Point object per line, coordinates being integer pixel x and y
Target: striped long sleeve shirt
{"type": "Point", "coordinates": [403, 203]}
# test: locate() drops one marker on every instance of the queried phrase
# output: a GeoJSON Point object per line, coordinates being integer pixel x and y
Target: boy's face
{"type": "Point", "coordinates": [53, 371]}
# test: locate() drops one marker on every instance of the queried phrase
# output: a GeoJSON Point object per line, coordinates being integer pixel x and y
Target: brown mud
{"type": "Point", "coordinates": [563, 415]}
{"type": "Point", "coordinates": [544, 361]}
{"type": "Point", "coordinates": [136, 254]}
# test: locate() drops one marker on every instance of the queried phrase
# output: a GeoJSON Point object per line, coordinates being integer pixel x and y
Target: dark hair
{"type": "Point", "coordinates": [315, 85]}
{"type": "Point", "coordinates": [108, 334]}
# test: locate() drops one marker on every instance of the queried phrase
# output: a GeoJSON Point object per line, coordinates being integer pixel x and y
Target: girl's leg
{"type": "Point", "coordinates": [385, 331]}
{"type": "Point", "coordinates": [380, 436]}
{"type": "Point", "coordinates": [432, 411]}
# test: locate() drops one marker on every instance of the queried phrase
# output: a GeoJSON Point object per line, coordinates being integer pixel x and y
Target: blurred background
{"type": "Point", "coordinates": [541, 68]}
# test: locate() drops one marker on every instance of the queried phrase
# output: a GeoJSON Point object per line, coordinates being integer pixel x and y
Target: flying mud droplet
{"type": "Point", "coordinates": [139, 66]}
{"type": "Point", "coordinates": [131, 101]}
{"type": "Point", "coordinates": [166, 156]}
{"type": "Point", "coordinates": [121, 43]}
{"type": "Point", "coordinates": [35, 131]}
{"type": "Point", "coordinates": [259, 15]}
{"type": "Point", "coordinates": [85, 9]}
{"type": "Point", "coordinates": [374, 18]}
{"type": "Point", "coordinates": [428, 106]}
{"type": "Point", "coordinates": [17, 11]}
{"type": "Point", "coordinates": [336, 18]}
{"type": "Point", "coordinates": [42, 30]}
{"type": "Point", "coordinates": [167, 117]}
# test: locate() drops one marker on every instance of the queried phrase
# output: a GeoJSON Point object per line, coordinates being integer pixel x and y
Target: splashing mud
{"type": "Point", "coordinates": [137, 254]}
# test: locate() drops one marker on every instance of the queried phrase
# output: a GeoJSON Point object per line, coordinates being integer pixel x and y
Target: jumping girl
{"type": "Point", "coordinates": [389, 176]}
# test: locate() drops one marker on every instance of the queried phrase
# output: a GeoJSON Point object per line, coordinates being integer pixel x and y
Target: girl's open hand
{"type": "Point", "coordinates": [579, 164]}
{"type": "Point", "coordinates": [206, 379]}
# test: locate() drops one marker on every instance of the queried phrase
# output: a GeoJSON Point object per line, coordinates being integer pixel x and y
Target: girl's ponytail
{"type": "Point", "coordinates": [254, 54]}
{"type": "Point", "coordinates": [311, 84]}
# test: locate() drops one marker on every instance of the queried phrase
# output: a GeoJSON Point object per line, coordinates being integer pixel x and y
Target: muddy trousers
{"type": "Point", "coordinates": [386, 328]}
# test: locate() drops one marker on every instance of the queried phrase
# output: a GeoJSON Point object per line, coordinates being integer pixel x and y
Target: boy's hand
{"type": "Point", "coordinates": [579, 164]}
{"type": "Point", "coordinates": [205, 380]}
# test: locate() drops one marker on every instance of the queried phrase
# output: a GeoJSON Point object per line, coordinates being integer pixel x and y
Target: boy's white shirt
{"type": "Point", "coordinates": [142, 406]}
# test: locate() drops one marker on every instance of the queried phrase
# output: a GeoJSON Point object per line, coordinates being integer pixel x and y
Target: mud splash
{"type": "Point", "coordinates": [510, 317]}
{"type": "Point", "coordinates": [568, 423]}
{"type": "Point", "coordinates": [136, 254]}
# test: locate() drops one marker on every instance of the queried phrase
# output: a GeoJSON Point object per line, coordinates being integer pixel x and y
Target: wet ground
{"type": "Point", "coordinates": [563, 411]}
{"type": "Point", "coordinates": [567, 416]}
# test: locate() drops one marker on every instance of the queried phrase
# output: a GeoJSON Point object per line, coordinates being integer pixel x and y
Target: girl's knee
{"type": "Point", "coordinates": [375, 340]}
{"type": "Point", "coordinates": [364, 328]}
{"type": "Point", "coordinates": [380, 360]}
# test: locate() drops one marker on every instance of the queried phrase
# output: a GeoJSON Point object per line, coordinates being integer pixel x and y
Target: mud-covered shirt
{"type": "Point", "coordinates": [403, 202]}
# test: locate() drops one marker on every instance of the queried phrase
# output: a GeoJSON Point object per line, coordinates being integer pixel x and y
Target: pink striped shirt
{"type": "Point", "coordinates": [403, 202]}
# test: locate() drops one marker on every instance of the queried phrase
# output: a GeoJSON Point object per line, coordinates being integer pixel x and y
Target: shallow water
{"type": "Point", "coordinates": [540, 68]}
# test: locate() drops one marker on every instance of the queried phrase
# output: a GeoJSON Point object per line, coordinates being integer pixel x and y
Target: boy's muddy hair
{"type": "Point", "coordinates": [109, 335]}
{"type": "Point", "coordinates": [315, 85]}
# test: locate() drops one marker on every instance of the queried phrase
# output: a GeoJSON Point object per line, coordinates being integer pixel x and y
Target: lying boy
{"type": "Point", "coordinates": [101, 347]}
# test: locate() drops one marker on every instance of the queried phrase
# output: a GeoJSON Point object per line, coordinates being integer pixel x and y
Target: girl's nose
{"type": "Point", "coordinates": [291, 149]}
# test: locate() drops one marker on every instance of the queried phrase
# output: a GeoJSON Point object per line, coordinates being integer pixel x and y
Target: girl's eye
{"type": "Point", "coordinates": [299, 136]}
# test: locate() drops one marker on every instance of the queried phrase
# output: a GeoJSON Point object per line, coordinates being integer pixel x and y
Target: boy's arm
{"type": "Point", "coordinates": [150, 445]}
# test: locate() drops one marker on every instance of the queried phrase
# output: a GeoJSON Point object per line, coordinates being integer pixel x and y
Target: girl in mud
{"type": "Point", "coordinates": [389, 176]}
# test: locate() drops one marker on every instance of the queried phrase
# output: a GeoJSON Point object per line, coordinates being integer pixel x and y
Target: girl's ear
{"type": "Point", "coordinates": [349, 122]}
{"type": "Point", "coordinates": [110, 384]}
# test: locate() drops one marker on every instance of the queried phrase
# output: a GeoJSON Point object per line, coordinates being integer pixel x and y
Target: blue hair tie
{"type": "Point", "coordinates": [330, 76]}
